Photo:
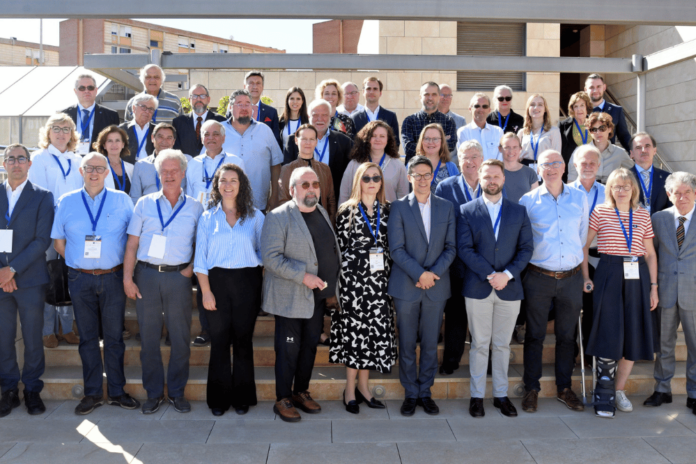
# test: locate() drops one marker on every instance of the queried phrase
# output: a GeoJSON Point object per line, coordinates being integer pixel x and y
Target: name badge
{"type": "Point", "coordinates": [376, 259]}
{"type": "Point", "coordinates": [203, 197]}
{"type": "Point", "coordinates": [157, 246]}
{"type": "Point", "coordinates": [82, 148]}
{"type": "Point", "coordinates": [92, 246]}
{"type": "Point", "coordinates": [630, 266]}
{"type": "Point", "coordinates": [6, 241]}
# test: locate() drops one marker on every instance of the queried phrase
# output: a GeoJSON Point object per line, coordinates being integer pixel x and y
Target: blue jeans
{"type": "Point", "coordinates": [90, 293]}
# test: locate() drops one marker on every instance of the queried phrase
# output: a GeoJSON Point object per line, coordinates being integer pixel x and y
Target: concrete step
{"type": "Point", "coordinates": [328, 383]}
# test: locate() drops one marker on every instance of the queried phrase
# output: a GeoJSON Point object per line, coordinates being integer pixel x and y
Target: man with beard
{"type": "Point", "coordinates": [595, 88]}
{"type": "Point", "coordinates": [188, 126]}
{"type": "Point", "coordinates": [494, 239]}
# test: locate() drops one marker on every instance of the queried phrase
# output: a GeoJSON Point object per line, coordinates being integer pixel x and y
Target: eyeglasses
{"type": "Point", "coordinates": [432, 139]}
{"type": "Point", "coordinates": [551, 165]}
{"type": "Point", "coordinates": [82, 88]}
{"type": "Point", "coordinates": [445, 95]}
{"type": "Point", "coordinates": [485, 107]}
{"type": "Point", "coordinates": [620, 188]}
{"type": "Point", "coordinates": [376, 179]}
{"type": "Point", "coordinates": [354, 92]}
{"type": "Point", "coordinates": [502, 99]}
{"type": "Point", "coordinates": [58, 129]}
{"type": "Point", "coordinates": [20, 159]}
{"type": "Point", "coordinates": [199, 97]}
{"type": "Point", "coordinates": [146, 108]}
{"type": "Point", "coordinates": [418, 177]}
{"type": "Point", "coordinates": [315, 185]}
{"type": "Point", "coordinates": [90, 169]}
{"type": "Point", "coordinates": [601, 128]}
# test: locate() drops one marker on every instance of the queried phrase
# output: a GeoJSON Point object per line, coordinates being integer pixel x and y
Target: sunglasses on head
{"type": "Point", "coordinates": [315, 185]}
{"type": "Point", "coordinates": [82, 88]}
{"type": "Point", "coordinates": [601, 128]}
{"type": "Point", "coordinates": [485, 107]}
{"type": "Point", "coordinates": [376, 179]}
{"type": "Point", "coordinates": [502, 99]}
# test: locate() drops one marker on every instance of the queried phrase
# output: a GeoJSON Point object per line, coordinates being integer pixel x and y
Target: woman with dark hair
{"type": "Point", "coordinates": [294, 114]}
{"type": "Point", "coordinates": [112, 142]}
{"type": "Point", "coordinates": [433, 145]}
{"type": "Point", "coordinates": [229, 270]}
{"type": "Point", "coordinates": [375, 143]}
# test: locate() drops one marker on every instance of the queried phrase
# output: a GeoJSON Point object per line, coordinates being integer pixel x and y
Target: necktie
{"type": "Point", "coordinates": [85, 117]}
{"type": "Point", "coordinates": [680, 231]}
{"type": "Point", "coordinates": [198, 129]}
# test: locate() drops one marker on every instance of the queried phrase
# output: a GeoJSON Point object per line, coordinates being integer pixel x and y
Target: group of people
{"type": "Point", "coordinates": [314, 213]}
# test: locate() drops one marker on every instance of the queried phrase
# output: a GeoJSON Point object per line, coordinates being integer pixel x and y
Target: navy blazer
{"type": "Point", "coordinates": [452, 189]}
{"type": "Point", "coordinates": [185, 126]}
{"type": "Point", "coordinates": [360, 120]}
{"type": "Point", "coordinates": [413, 254]}
{"type": "Point", "coordinates": [133, 141]}
{"type": "Point", "coordinates": [658, 196]}
{"type": "Point", "coordinates": [484, 255]}
{"type": "Point", "coordinates": [103, 118]}
{"type": "Point", "coordinates": [31, 223]}
{"type": "Point", "coordinates": [269, 116]}
{"type": "Point", "coordinates": [620, 128]}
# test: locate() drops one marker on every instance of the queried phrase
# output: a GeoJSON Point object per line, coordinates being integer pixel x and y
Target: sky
{"type": "Point", "coordinates": [292, 35]}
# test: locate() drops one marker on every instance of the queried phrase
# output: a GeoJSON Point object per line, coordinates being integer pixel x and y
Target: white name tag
{"type": "Point", "coordinates": [82, 148]}
{"type": "Point", "coordinates": [6, 241]}
{"type": "Point", "coordinates": [376, 259]}
{"type": "Point", "coordinates": [92, 246]}
{"type": "Point", "coordinates": [631, 268]}
{"type": "Point", "coordinates": [157, 246]}
{"type": "Point", "coordinates": [203, 197]}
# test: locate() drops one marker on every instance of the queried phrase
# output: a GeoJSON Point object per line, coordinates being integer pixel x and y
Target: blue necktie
{"type": "Point", "coordinates": [85, 117]}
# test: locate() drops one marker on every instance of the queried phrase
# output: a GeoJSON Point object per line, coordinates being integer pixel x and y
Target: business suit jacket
{"type": "Point", "coordinates": [568, 144]}
{"type": "Point", "coordinates": [658, 196]}
{"type": "Point", "coordinates": [31, 223]}
{"type": "Point", "coordinates": [413, 254]}
{"type": "Point", "coordinates": [185, 126]}
{"type": "Point", "coordinates": [676, 268]}
{"type": "Point", "coordinates": [340, 146]}
{"type": "Point", "coordinates": [452, 190]}
{"type": "Point", "coordinates": [360, 120]}
{"type": "Point", "coordinates": [269, 116]}
{"type": "Point", "coordinates": [287, 251]}
{"type": "Point", "coordinates": [484, 255]}
{"type": "Point", "coordinates": [103, 118]}
{"type": "Point", "coordinates": [620, 128]}
{"type": "Point", "coordinates": [133, 141]}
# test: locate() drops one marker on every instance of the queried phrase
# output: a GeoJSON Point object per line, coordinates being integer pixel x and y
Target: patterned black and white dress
{"type": "Point", "coordinates": [362, 334]}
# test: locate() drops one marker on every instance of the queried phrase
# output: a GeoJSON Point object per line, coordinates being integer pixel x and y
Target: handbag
{"type": "Point", "coordinates": [57, 289]}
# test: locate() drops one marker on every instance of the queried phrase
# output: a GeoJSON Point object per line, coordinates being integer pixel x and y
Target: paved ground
{"type": "Point", "coordinates": [552, 435]}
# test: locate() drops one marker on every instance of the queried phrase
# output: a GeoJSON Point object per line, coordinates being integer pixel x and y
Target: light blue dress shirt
{"type": "Point", "coordinates": [559, 227]}
{"type": "Point", "coordinates": [219, 245]}
{"type": "Point", "coordinates": [73, 224]}
{"type": "Point", "coordinates": [597, 189]}
{"type": "Point", "coordinates": [180, 233]}
{"type": "Point", "coordinates": [196, 173]}
{"type": "Point", "coordinates": [144, 179]}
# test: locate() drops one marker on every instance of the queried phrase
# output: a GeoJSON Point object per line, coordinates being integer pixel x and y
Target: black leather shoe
{"type": "Point", "coordinates": [372, 403]}
{"type": "Point", "coordinates": [152, 405]}
{"type": "Point", "coordinates": [448, 369]}
{"type": "Point", "coordinates": [241, 410]}
{"type": "Point", "coordinates": [125, 401]}
{"type": "Point", "coordinates": [657, 398]}
{"type": "Point", "coordinates": [33, 402]}
{"type": "Point", "coordinates": [180, 404]}
{"type": "Point", "coordinates": [476, 407]}
{"type": "Point", "coordinates": [506, 407]}
{"type": "Point", "coordinates": [352, 405]}
{"type": "Point", "coordinates": [429, 406]}
{"type": "Point", "coordinates": [690, 403]}
{"type": "Point", "coordinates": [88, 404]}
{"type": "Point", "coordinates": [9, 401]}
{"type": "Point", "coordinates": [202, 340]}
{"type": "Point", "coordinates": [217, 412]}
{"type": "Point", "coordinates": [408, 408]}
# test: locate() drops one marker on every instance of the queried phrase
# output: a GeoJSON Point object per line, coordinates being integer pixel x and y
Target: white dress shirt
{"type": "Point", "coordinates": [489, 138]}
{"type": "Point", "coordinates": [370, 115]}
{"type": "Point", "coordinates": [13, 196]}
{"type": "Point", "coordinates": [493, 211]}
{"type": "Point", "coordinates": [140, 134]}
{"type": "Point", "coordinates": [676, 217]}
{"type": "Point", "coordinates": [342, 109]}
{"type": "Point", "coordinates": [425, 209]}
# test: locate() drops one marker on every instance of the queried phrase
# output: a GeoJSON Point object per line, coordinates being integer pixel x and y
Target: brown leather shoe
{"type": "Point", "coordinates": [286, 411]}
{"type": "Point", "coordinates": [571, 400]}
{"type": "Point", "coordinates": [530, 401]}
{"type": "Point", "coordinates": [71, 338]}
{"type": "Point", "coordinates": [50, 341]}
{"type": "Point", "coordinates": [305, 402]}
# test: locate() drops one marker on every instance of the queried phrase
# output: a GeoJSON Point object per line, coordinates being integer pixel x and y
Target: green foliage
{"type": "Point", "coordinates": [222, 105]}
{"type": "Point", "coordinates": [185, 105]}
{"type": "Point", "coordinates": [266, 100]}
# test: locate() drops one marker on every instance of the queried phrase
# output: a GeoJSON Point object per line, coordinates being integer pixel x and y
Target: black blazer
{"type": "Point", "coordinates": [339, 151]}
{"type": "Point", "coordinates": [133, 141]}
{"type": "Point", "coordinates": [515, 123]}
{"type": "Point", "coordinates": [568, 144]}
{"type": "Point", "coordinates": [31, 223]}
{"type": "Point", "coordinates": [360, 120]}
{"type": "Point", "coordinates": [658, 197]}
{"type": "Point", "coordinates": [103, 118]}
{"type": "Point", "coordinates": [620, 128]}
{"type": "Point", "coordinates": [186, 140]}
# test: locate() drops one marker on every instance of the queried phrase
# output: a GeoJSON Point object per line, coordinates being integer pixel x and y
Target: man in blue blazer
{"type": "Point", "coordinates": [651, 180]}
{"type": "Point", "coordinates": [253, 83]}
{"type": "Point", "coordinates": [421, 231]}
{"type": "Point", "coordinates": [188, 126]}
{"type": "Point", "coordinates": [372, 90]}
{"type": "Point", "coordinates": [26, 217]}
{"type": "Point", "coordinates": [494, 239]}
{"type": "Point", "coordinates": [595, 88]}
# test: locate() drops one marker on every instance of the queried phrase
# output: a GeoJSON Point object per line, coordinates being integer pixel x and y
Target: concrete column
{"type": "Point", "coordinates": [640, 92]}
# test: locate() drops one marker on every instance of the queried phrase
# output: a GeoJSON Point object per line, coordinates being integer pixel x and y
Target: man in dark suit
{"type": "Point", "coordinates": [92, 118]}
{"type": "Point", "coordinates": [253, 83]}
{"type": "Point", "coordinates": [188, 126]}
{"type": "Point", "coordinates": [494, 239]}
{"type": "Point", "coordinates": [26, 217]}
{"type": "Point", "coordinates": [335, 154]}
{"type": "Point", "coordinates": [421, 232]}
{"type": "Point", "coordinates": [651, 180]}
{"type": "Point", "coordinates": [595, 88]}
{"type": "Point", "coordinates": [372, 90]}
{"type": "Point", "coordinates": [141, 128]}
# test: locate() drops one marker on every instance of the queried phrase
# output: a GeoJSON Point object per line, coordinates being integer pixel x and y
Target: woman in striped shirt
{"type": "Point", "coordinates": [625, 290]}
{"type": "Point", "coordinates": [229, 270]}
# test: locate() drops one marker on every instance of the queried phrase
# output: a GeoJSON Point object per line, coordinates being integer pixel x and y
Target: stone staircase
{"type": "Point", "coordinates": [63, 376]}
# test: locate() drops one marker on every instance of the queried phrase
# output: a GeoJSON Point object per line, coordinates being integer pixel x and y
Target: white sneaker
{"type": "Point", "coordinates": [623, 403]}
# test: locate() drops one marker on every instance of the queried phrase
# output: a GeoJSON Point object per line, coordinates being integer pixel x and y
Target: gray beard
{"type": "Point", "coordinates": [310, 202]}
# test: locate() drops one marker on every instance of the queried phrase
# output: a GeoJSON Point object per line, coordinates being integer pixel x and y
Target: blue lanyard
{"type": "Point", "coordinates": [323, 151]}
{"type": "Point", "coordinates": [89, 211]}
{"type": "Point", "coordinates": [141, 142]}
{"type": "Point", "coordinates": [629, 236]}
{"type": "Point", "coordinates": [299, 121]}
{"type": "Point", "coordinates": [535, 147]}
{"type": "Point", "coordinates": [594, 202]}
{"type": "Point", "coordinates": [506, 120]}
{"type": "Point", "coordinates": [369, 226]}
{"type": "Point", "coordinates": [497, 221]}
{"type": "Point", "coordinates": [466, 191]}
{"type": "Point", "coordinates": [66, 174]}
{"type": "Point", "coordinates": [583, 136]}
{"type": "Point", "coordinates": [171, 218]}
{"type": "Point", "coordinates": [85, 124]}
{"type": "Point", "coordinates": [8, 218]}
{"type": "Point", "coordinates": [646, 191]}
{"type": "Point", "coordinates": [121, 186]}
{"type": "Point", "coordinates": [209, 179]}
{"type": "Point", "coordinates": [435, 173]}
{"type": "Point", "coordinates": [381, 162]}
{"type": "Point", "coordinates": [368, 116]}
{"type": "Point", "coordinates": [154, 116]}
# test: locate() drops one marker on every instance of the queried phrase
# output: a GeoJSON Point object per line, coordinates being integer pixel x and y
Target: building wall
{"type": "Point", "coordinates": [327, 38]}
{"type": "Point", "coordinates": [16, 54]}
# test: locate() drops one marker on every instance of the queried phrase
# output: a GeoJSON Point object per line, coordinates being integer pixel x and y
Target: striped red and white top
{"type": "Point", "coordinates": [610, 236]}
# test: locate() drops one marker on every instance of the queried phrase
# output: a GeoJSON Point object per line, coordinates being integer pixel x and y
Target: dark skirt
{"type": "Point", "coordinates": [623, 325]}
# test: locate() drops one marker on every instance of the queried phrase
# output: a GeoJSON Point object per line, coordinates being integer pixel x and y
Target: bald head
{"type": "Point", "coordinates": [445, 98]}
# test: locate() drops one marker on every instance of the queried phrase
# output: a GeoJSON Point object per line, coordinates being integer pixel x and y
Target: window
{"type": "Point", "coordinates": [154, 44]}
{"type": "Point", "coordinates": [224, 49]}
{"type": "Point", "coordinates": [114, 50]}
{"type": "Point", "coordinates": [126, 31]}
{"type": "Point", "coordinates": [183, 42]}
{"type": "Point", "coordinates": [27, 52]}
{"type": "Point", "coordinates": [192, 44]}
{"type": "Point", "coordinates": [124, 50]}
{"type": "Point", "coordinates": [114, 29]}
{"type": "Point", "coordinates": [490, 39]}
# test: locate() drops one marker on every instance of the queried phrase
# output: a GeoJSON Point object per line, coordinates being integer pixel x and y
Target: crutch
{"type": "Point", "coordinates": [582, 360]}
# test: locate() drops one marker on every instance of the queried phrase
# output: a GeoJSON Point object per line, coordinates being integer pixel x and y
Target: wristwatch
{"type": "Point", "coordinates": [13, 269]}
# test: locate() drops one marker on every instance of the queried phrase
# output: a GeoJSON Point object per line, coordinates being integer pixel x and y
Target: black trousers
{"type": "Point", "coordinates": [296, 348]}
{"type": "Point", "coordinates": [456, 324]}
{"type": "Point", "coordinates": [237, 293]}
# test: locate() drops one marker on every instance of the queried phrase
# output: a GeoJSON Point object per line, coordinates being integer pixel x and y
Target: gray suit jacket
{"type": "Point", "coordinates": [413, 254]}
{"type": "Point", "coordinates": [676, 268]}
{"type": "Point", "coordinates": [287, 251]}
